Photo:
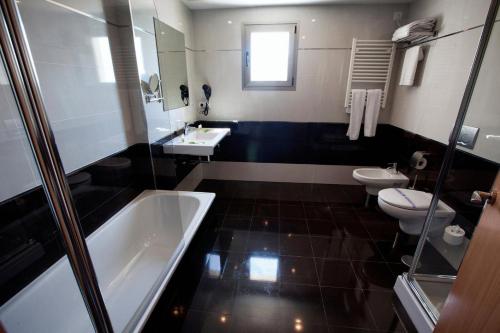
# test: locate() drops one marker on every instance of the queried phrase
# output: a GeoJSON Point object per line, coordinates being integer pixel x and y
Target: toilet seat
{"type": "Point", "coordinates": [406, 199]}
{"type": "Point", "coordinates": [410, 207]}
{"type": "Point", "coordinates": [396, 202]}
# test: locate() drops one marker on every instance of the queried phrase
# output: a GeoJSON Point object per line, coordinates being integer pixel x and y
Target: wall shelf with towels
{"type": "Point", "coordinates": [370, 67]}
{"type": "Point", "coordinates": [416, 37]}
{"type": "Point", "coordinates": [416, 31]}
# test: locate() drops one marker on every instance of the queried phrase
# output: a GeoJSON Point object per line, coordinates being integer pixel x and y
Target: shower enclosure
{"type": "Point", "coordinates": [476, 133]}
{"type": "Point", "coordinates": [74, 146]}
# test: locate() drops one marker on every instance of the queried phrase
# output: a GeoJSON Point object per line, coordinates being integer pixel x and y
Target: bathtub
{"type": "Point", "coordinates": [134, 254]}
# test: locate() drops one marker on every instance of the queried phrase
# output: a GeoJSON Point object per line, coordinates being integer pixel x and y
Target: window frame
{"type": "Point", "coordinates": [290, 84]}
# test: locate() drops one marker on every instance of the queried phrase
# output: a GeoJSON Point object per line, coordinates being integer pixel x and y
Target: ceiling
{"type": "Point", "coordinates": [210, 4]}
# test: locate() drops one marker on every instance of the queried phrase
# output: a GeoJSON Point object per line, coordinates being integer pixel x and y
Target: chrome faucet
{"type": "Point", "coordinates": [186, 128]}
{"type": "Point", "coordinates": [393, 168]}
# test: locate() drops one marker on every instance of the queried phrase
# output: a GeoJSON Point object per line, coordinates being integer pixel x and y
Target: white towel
{"type": "Point", "coordinates": [410, 63]}
{"type": "Point", "coordinates": [373, 99]}
{"type": "Point", "coordinates": [423, 25]}
{"type": "Point", "coordinates": [357, 108]}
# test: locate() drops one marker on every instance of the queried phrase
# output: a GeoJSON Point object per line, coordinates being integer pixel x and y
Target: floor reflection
{"type": "Point", "coordinates": [264, 269]}
{"type": "Point", "coordinates": [323, 264]}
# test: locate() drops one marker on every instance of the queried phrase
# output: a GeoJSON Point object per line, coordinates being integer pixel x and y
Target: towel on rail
{"type": "Point", "coordinates": [357, 108]}
{"type": "Point", "coordinates": [372, 111]}
{"type": "Point", "coordinates": [412, 57]}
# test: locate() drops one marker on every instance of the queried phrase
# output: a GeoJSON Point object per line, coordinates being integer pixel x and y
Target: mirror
{"type": "Point", "coordinates": [154, 83]}
{"type": "Point", "coordinates": [151, 89]}
{"type": "Point", "coordinates": [173, 70]}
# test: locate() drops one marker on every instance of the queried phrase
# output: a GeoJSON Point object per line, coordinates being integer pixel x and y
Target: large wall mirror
{"type": "Point", "coordinates": [172, 60]}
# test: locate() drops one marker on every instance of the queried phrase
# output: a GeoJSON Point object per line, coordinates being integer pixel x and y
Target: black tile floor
{"type": "Point", "coordinates": [282, 257]}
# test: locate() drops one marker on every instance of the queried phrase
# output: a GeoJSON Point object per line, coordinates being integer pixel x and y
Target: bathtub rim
{"type": "Point", "coordinates": [187, 238]}
{"type": "Point", "coordinates": [136, 324]}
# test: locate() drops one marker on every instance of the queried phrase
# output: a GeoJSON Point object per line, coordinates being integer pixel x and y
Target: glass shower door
{"type": "Point", "coordinates": [474, 166]}
{"type": "Point", "coordinates": [38, 291]}
{"type": "Point", "coordinates": [88, 60]}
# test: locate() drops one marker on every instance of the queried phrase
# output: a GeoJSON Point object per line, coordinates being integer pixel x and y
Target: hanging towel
{"type": "Point", "coordinates": [357, 108]}
{"type": "Point", "coordinates": [373, 98]}
{"type": "Point", "coordinates": [412, 57]}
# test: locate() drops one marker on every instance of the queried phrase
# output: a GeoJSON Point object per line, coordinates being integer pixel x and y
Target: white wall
{"type": "Point", "coordinates": [430, 107]}
{"type": "Point", "coordinates": [90, 117]}
{"type": "Point", "coordinates": [483, 111]}
{"type": "Point", "coordinates": [19, 172]}
{"type": "Point", "coordinates": [323, 60]}
{"type": "Point", "coordinates": [85, 92]}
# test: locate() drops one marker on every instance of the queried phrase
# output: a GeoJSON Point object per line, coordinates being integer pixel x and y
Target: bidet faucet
{"type": "Point", "coordinates": [186, 128]}
{"type": "Point", "coordinates": [393, 168]}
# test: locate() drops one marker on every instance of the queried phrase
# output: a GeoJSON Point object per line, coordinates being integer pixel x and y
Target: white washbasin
{"type": "Point", "coordinates": [199, 142]}
{"type": "Point", "coordinates": [376, 179]}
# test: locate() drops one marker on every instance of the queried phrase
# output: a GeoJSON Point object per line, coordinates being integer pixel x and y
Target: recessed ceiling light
{"type": "Point", "coordinates": [313, 20]}
{"type": "Point", "coordinates": [229, 22]}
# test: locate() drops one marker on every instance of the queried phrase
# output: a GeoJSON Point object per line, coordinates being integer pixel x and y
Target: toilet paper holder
{"type": "Point", "coordinates": [418, 160]}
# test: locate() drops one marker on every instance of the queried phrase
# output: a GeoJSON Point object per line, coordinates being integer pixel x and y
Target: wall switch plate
{"type": "Point", "coordinates": [467, 137]}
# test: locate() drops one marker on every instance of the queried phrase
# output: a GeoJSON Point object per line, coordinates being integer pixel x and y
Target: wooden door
{"type": "Point", "coordinates": [474, 301]}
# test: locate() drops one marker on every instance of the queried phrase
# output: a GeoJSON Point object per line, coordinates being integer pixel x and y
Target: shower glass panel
{"type": "Point", "coordinates": [89, 74]}
{"type": "Point", "coordinates": [439, 262]}
{"type": "Point", "coordinates": [29, 237]}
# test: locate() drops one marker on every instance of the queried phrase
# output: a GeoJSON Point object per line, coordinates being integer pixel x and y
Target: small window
{"type": "Point", "coordinates": [269, 56]}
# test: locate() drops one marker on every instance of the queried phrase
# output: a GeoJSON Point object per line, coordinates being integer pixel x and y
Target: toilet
{"type": "Point", "coordinates": [411, 206]}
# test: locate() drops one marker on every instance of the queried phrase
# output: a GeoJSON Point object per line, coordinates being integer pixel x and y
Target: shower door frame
{"type": "Point", "coordinates": [411, 276]}
{"type": "Point", "coordinates": [16, 55]}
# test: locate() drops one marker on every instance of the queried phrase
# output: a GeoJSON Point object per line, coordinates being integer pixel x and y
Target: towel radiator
{"type": "Point", "coordinates": [370, 67]}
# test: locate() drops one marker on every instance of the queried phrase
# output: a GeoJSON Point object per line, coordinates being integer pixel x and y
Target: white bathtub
{"type": "Point", "coordinates": [134, 254]}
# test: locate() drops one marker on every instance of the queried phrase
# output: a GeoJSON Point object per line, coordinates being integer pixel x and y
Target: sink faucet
{"type": "Point", "coordinates": [393, 168]}
{"type": "Point", "coordinates": [186, 128]}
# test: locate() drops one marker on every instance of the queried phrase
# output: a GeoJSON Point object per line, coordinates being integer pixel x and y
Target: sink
{"type": "Point", "coordinates": [199, 142]}
{"type": "Point", "coordinates": [376, 179]}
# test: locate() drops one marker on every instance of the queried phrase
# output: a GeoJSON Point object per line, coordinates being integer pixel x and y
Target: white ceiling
{"type": "Point", "coordinates": [209, 4]}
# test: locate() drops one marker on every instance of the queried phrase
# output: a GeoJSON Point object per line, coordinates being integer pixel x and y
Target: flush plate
{"type": "Point", "coordinates": [467, 137]}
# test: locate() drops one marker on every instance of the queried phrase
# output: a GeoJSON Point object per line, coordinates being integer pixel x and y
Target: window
{"type": "Point", "coordinates": [269, 56]}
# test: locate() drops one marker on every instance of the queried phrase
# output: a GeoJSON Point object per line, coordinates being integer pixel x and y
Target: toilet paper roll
{"type": "Point", "coordinates": [418, 161]}
{"type": "Point", "coordinates": [453, 235]}
{"type": "Point", "coordinates": [421, 164]}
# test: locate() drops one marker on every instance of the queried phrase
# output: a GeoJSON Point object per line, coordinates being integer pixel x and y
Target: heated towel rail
{"type": "Point", "coordinates": [370, 67]}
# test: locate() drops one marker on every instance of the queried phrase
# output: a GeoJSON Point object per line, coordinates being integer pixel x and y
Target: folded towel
{"type": "Point", "coordinates": [357, 108]}
{"type": "Point", "coordinates": [423, 25]}
{"type": "Point", "coordinates": [373, 98]}
{"type": "Point", "coordinates": [410, 63]}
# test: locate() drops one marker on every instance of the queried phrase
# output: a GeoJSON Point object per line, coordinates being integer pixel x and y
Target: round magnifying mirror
{"type": "Point", "coordinates": [154, 83]}
{"type": "Point", "coordinates": [145, 88]}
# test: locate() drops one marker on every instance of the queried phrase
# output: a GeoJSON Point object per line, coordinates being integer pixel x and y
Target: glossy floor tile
{"type": "Point", "coordinates": [279, 257]}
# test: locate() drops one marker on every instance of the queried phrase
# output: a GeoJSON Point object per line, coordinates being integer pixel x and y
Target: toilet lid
{"type": "Point", "coordinates": [406, 199]}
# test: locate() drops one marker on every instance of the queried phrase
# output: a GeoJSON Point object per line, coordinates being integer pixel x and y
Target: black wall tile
{"type": "Point", "coordinates": [29, 236]}
{"type": "Point", "coordinates": [170, 169]}
{"type": "Point", "coordinates": [300, 143]}
{"type": "Point", "coordinates": [327, 144]}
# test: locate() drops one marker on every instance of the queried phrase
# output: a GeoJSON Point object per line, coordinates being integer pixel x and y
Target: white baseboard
{"type": "Point", "coordinates": [280, 172]}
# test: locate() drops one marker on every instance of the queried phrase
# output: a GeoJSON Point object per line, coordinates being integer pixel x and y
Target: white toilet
{"type": "Point", "coordinates": [410, 207]}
